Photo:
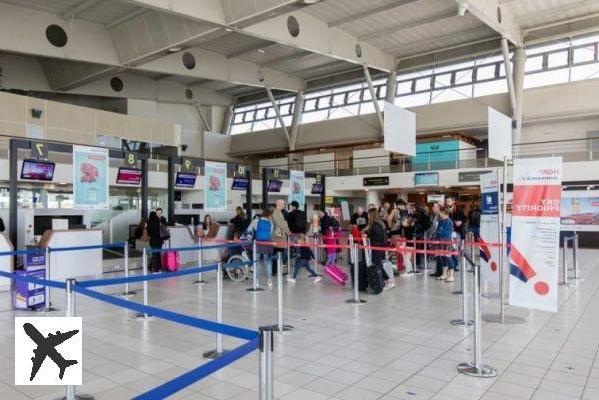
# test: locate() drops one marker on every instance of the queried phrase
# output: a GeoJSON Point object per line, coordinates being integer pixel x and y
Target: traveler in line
{"type": "Point", "coordinates": [240, 222]}
{"type": "Point", "coordinates": [444, 233]}
{"type": "Point", "coordinates": [377, 235]}
{"type": "Point", "coordinates": [280, 231]}
{"type": "Point", "coordinates": [263, 233]}
{"type": "Point", "coordinates": [305, 257]}
{"type": "Point", "coordinates": [360, 218]}
{"type": "Point", "coordinates": [158, 233]}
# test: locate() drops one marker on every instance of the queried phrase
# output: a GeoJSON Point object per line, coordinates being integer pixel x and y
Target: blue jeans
{"type": "Point", "coordinates": [303, 263]}
{"type": "Point", "coordinates": [266, 262]}
{"type": "Point", "coordinates": [331, 259]}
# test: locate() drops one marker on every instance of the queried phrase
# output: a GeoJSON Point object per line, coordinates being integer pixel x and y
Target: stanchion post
{"type": "Point", "coordinates": [464, 321]}
{"type": "Point", "coordinates": [218, 352]}
{"type": "Point", "coordinates": [48, 303]}
{"type": "Point", "coordinates": [144, 269]}
{"type": "Point", "coordinates": [281, 327]}
{"type": "Point", "coordinates": [255, 269]}
{"type": "Point", "coordinates": [200, 281]}
{"type": "Point", "coordinates": [127, 292]}
{"type": "Point", "coordinates": [565, 260]}
{"type": "Point", "coordinates": [288, 256]}
{"type": "Point", "coordinates": [477, 368]}
{"type": "Point", "coordinates": [356, 299]}
{"type": "Point", "coordinates": [70, 312]}
{"type": "Point", "coordinates": [266, 363]}
{"type": "Point", "coordinates": [577, 268]}
{"type": "Point", "coordinates": [425, 255]}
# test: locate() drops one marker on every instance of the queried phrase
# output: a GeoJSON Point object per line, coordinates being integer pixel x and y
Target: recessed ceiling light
{"type": "Point", "coordinates": [174, 49]}
{"type": "Point", "coordinates": [228, 29]}
{"type": "Point", "coordinates": [261, 51]}
{"type": "Point", "coordinates": [311, 1]}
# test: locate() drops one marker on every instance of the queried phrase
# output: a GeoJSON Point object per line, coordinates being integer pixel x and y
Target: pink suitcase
{"type": "Point", "coordinates": [170, 261]}
{"type": "Point", "coordinates": [336, 274]}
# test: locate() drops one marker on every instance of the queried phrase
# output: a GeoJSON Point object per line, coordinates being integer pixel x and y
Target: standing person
{"type": "Point", "coordinates": [207, 224]}
{"type": "Point", "coordinates": [474, 221]}
{"type": "Point", "coordinates": [330, 238]}
{"type": "Point", "coordinates": [327, 221]}
{"type": "Point", "coordinates": [296, 219]}
{"type": "Point", "coordinates": [384, 212]}
{"type": "Point", "coordinates": [396, 218]}
{"type": "Point", "coordinates": [280, 231]}
{"type": "Point", "coordinates": [422, 223]}
{"type": "Point", "coordinates": [159, 213]}
{"type": "Point", "coordinates": [377, 235]}
{"type": "Point", "coordinates": [240, 222]}
{"type": "Point", "coordinates": [360, 218]}
{"type": "Point", "coordinates": [444, 233]}
{"type": "Point", "coordinates": [457, 216]}
{"type": "Point", "coordinates": [305, 257]}
{"type": "Point", "coordinates": [435, 211]}
{"type": "Point", "coordinates": [157, 233]}
{"type": "Point", "coordinates": [263, 233]}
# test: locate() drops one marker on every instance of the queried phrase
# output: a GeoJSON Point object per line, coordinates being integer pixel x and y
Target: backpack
{"type": "Point", "coordinates": [263, 230]}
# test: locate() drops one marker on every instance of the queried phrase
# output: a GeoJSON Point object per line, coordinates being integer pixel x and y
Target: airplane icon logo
{"type": "Point", "coordinates": [57, 339]}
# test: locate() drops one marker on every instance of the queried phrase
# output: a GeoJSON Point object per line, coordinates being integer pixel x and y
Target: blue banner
{"type": "Point", "coordinates": [215, 186]}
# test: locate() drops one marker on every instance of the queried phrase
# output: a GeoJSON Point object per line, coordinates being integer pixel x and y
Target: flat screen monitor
{"type": "Point", "coordinates": [35, 170]}
{"type": "Point", "coordinates": [317, 188]}
{"type": "Point", "coordinates": [274, 185]}
{"type": "Point", "coordinates": [128, 176]}
{"type": "Point", "coordinates": [240, 184]}
{"type": "Point", "coordinates": [185, 180]}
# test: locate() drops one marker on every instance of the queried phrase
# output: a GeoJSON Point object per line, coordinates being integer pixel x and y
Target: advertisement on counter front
{"type": "Point", "coordinates": [215, 186]}
{"type": "Point", "coordinates": [297, 181]}
{"type": "Point", "coordinates": [90, 178]}
{"type": "Point", "coordinates": [580, 211]}
{"type": "Point", "coordinates": [534, 252]}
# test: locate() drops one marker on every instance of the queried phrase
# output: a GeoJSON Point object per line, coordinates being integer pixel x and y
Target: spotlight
{"type": "Point", "coordinates": [462, 8]}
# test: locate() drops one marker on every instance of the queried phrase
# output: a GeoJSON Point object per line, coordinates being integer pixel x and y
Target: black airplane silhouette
{"type": "Point", "coordinates": [46, 348]}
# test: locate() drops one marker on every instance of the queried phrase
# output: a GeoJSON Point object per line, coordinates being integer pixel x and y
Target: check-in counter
{"type": "Point", "coordinates": [77, 263]}
{"type": "Point", "coordinates": [6, 262]}
{"type": "Point", "coordinates": [183, 236]}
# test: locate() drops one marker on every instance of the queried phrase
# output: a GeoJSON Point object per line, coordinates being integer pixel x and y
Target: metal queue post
{"type": "Point", "coordinates": [70, 312]}
{"type": "Point", "coordinates": [200, 281]}
{"type": "Point", "coordinates": [477, 368]}
{"type": "Point", "coordinates": [281, 327]}
{"type": "Point", "coordinates": [461, 290]}
{"type": "Point", "coordinates": [48, 304]}
{"type": "Point", "coordinates": [356, 259]}
{"type": "Point", "coordinates": [127, 292]}
{"type": "Point", "coordinates": [266, 381]}
{"type": "Point", "coordinates": [465, 321]}
{"type": "Point", "coordinates": [255, 287]}
{"type": "Point", "coordinates": [144, 264]}
{"type": "Point", "coordinates": [218, 351]}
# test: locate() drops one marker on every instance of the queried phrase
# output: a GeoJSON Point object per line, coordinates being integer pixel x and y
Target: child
{"type": "Point", "coordinates": [330, 238]}
{"type": "Point", "coordinates": [305, 256]}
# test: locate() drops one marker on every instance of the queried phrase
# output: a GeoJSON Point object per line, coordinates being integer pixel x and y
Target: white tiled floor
{"type": "Point", "coordinates": [397, 346]}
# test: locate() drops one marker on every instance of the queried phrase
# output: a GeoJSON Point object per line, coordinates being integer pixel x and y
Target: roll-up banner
{"type": "Point", "coordinates": [534, 253]}
{"type": "Point", "coordinates": [489, 228]}
{"type": "Point", "coordinates": [297, 182]}
{"type": "Point", "coordinates": [215, 186]}
{"type": "Point", "coordinates": [90, 178]}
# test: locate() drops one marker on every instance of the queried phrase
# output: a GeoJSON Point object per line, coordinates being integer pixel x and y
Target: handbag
{"type": "Point", "coordinates": [165, 234]}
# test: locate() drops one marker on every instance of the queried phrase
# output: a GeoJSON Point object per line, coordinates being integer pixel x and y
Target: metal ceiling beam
{"type": "Point", "coordinates": [279, 117]}
{"type": "Point", "coordinates": [498, 18]}
{"type": "Point", "coordinates": [329, 65]}
{"type": "Point", "coordinates": [79, 8]}
{"type": "Point", "coordinates": [415, 24]}
{"type": "Point", "coordinates": [91, 43]}
{"type": "Point", "coordinates": [126, 18]}
{"type": "Point", "coordinates": [375, 101]}
{"type": "Point", "coordinates": [284, 59]}
{"type": "Point", "coordinates": [436, 39]}
{"type": "Point", "coordinates": [368, 13]}
{"type": "Point", "coordinates": [252, 49]}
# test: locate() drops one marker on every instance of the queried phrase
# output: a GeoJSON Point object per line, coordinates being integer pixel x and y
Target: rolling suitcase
{"type": "Point", "coordinates": [376, 280]}
{"type": "Point", "coordinates": [170, 261]}
{"type": "Point", "coordinates": [336, 274]}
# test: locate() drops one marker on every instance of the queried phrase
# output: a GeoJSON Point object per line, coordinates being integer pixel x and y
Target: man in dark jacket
{"type": "Point", "coordinates": [296, 219]}
{"type": "Point", "coordinates": [422, 223]}
{"type": "Point", "coordinates": [457, 216]}
{"type": "Point", "coordinates": [360, 218]}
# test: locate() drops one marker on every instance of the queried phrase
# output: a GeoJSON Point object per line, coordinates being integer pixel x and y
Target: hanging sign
{"type": "Point", "coordinates": [534, 252]}
{"type": "Point", "coordinates": [297, 183]}
{"type": "Point", "coordinates": [489, 228]}
{"type": "Point", "coordinates": [90, 178]}
{"type": "Point", "coordinates": [215, 188]}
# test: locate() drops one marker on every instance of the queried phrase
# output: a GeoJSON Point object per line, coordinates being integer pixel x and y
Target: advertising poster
{"type": "Point", "coordinates": [90, 178]}
{"type": "Point", "coordinates": [489, 228]}
{"type": "Point", "coordinates": [534, 252]}
{"type": "Point", "coordinates": [297, 188]}
{"type": "Point", "coordinates": [580, 211]}
{"type": "Point", "coordinates": [215, 186]}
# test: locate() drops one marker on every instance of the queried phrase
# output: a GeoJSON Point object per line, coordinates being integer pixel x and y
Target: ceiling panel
{"type": "Point", "coordinates": [53, 6]}
{"type": "Point", "coordinates": [271, 54]}
{"type": "Point", "coordinates": [332, 10]}
{"type": "Point", "coordinates": [107, 11]}
{"type": "Point", "coordinates": [530, 13]}
{"type": "Point", "coordinates": [234, 43]}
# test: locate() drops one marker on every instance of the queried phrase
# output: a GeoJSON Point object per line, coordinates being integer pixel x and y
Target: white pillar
{"type": "Point", "coordinates": [519, 72]}
{"type": "Point", "coordinates": [372, 197]}
{"type": "Point", "coordinates": [391, 87]}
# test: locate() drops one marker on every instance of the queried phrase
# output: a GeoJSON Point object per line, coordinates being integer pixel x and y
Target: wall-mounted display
{"type": "Point", "coordinates": [36, 170]}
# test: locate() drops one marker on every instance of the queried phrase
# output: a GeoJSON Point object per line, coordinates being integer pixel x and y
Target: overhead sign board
{"type": "Point", "coordinates": [375, 181]}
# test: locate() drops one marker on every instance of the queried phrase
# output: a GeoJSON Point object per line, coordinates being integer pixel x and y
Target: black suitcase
{"type": "Point", "coordinates": [362, 276]}
{"type": "Point", "coordinates": [376, 280]}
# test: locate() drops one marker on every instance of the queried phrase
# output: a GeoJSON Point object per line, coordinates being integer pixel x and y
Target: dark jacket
{"type": "Point", "coordinates": [377, 235]}
{"type": "Point", "coordinates": [327, 222]}
{"type": "Point", "coordinates": [240, 223]}
{"type": "Point", "coordinates": [297, 221]}
{"type": "Point", "coordinates": [360, 220]}
{"type": "Point", "coordinates": [154, 233]}
{"type": "Point", "coordinates": [458, 215]}
{"type": "Point", "coordinates": [422, 222]}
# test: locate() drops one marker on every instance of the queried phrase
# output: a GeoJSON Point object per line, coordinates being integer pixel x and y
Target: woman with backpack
{"type": "Point", "coordinates": [377, 236]}
{"type": "Point", "coordinates": [263, 233]}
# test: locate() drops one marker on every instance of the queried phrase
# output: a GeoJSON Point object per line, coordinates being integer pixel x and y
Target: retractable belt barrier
{"type": "Point", "coordinates": [254, 339]}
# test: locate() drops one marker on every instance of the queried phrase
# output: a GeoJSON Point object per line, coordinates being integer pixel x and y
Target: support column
{"type": "Point", "coordinates": [13, 191]}
{"type": "Point", "coordinates": [518, 74]}
{"type": "Point", "coordinates": [372, 197]}
{"type": "Point", "coordinates": [171, 190]}
{"type": "Point", "coordinates": [508, 74]}
{"type": "Point", "coordinates": [298, 110]}
{"type": "Point", "coordinates": [391, 87]}
{"type": "Point", "coordinates": [228, 120]}
{"type": "Point", "coordinates": [278, 112]}
{"type": "Point", "coordinates": [144, 189]}
{"type": "Point", "coordinates": [375, 101]}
